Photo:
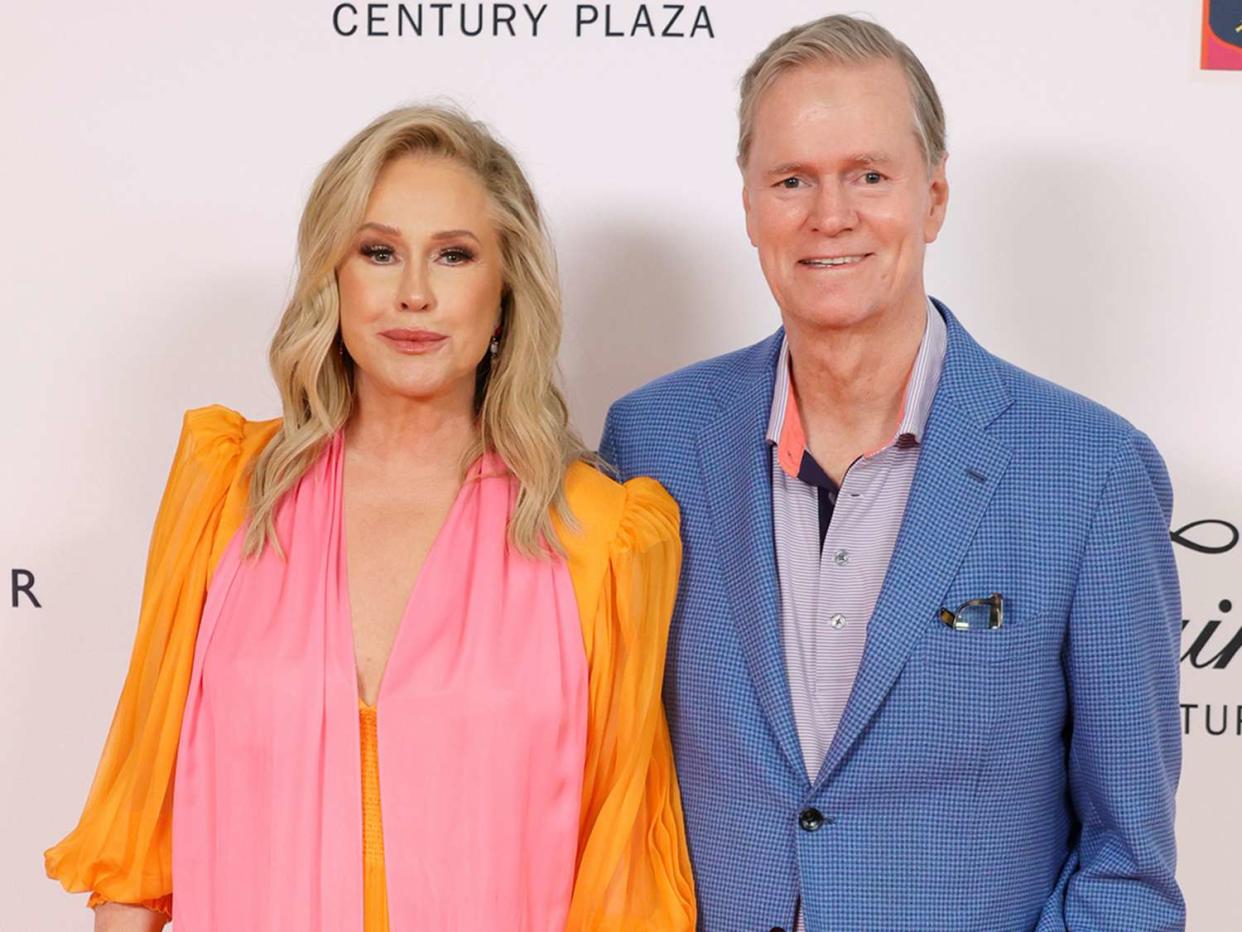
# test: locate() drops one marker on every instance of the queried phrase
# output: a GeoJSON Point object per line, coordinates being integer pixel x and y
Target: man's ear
{"type": "Point", "coordinates": [746, 211]}
{"type": "Point", "coordinates": [938, 200]}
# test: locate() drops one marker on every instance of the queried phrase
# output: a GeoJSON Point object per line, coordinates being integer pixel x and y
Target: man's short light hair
{"type": "Point", "coordinates": [836, 40]}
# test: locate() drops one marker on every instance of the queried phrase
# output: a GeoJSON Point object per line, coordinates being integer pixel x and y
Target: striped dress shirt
{"type": "Point", "coordinates": [833, 544]}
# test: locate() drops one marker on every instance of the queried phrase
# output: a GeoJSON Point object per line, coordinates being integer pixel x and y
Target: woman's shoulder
{"type": "Point", "coordinates": [215, 434]}
{"type": "Point", "coordinates": [218, 423]}
{"type": "Point", "coordinates": [623, 552]}
{"type": "Point", "coordinates": [634, 513]}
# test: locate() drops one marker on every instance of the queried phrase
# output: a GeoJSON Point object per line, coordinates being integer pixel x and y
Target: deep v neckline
{"type": "Point", "coordinates": [473, 472]}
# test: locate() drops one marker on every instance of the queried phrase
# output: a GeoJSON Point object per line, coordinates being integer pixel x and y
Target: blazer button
{"type": "Point", "coordinates": [778, 929]}
{"type": "Point", "coordinates": [811, 820]}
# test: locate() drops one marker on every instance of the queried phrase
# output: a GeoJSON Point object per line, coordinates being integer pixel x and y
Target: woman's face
{"type": "Point", "coordinates": [420, 286]}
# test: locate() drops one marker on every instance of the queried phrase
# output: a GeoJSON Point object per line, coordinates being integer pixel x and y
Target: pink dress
{"type": "Point", "coordinates": [482, 719]}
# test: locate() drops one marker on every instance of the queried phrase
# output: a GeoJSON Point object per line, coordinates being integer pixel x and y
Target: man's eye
{"type": "Point", "coordinates": [873, 177]}
{"type": "Point", "coordinates": [381, 255]}
{"type": "Point", "coordinates": [790, 182]}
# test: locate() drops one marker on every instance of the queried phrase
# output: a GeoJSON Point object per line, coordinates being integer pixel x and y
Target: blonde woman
{"type": "Point", "coordinates": [413, 581]}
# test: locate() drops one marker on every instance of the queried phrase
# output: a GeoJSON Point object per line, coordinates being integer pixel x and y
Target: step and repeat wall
{"type": "Point", "coordinates": [157, 156]}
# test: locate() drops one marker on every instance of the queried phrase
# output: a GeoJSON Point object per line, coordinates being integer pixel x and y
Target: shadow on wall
{"type": "Point", "coordinates": [1063, 254]}
{"type": "Point", "coordinates": [642, 300]}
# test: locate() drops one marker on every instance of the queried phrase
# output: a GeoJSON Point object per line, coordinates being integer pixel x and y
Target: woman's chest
{"type": "Point", "coordinates": [446, 622]}
{"type": "Point", "coordinates": [386, 545]}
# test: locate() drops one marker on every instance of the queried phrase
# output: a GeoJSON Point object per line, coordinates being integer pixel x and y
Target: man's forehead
{"type": "Point", "coordinates": [858, 113]}
{"type": "Point", "coordinates": [825, 93]}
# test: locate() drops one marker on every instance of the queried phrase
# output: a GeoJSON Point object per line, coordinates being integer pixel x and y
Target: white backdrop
{"type": "Point", "coordinates": [156, 157]}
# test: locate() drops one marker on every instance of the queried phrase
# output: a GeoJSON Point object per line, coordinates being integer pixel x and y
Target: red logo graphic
{"type": "Point", "coordinates": [1222, 35]}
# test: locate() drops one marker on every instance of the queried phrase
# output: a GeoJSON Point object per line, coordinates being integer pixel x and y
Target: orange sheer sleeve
{"type": "Point", "coordinates": [121, 849]}
{"type": "Point", "coordinates": [633, 865]}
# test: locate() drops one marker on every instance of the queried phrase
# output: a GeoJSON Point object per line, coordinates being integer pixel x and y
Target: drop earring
{"type": "Point", "coordinates": [494, 346]}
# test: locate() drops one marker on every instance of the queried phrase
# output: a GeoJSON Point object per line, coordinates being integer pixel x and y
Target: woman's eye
{"type": "Point", "coordinates": [378, 253]}
{"type": "Point", "coordinates": [456, 255]}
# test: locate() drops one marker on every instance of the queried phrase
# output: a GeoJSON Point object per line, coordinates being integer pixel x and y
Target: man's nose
{"type": "Point", "coordinates": [832, 211]}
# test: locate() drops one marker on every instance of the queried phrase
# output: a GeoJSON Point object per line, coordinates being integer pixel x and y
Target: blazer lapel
{"type": "Point", "coordinates": [736, 473]}
{"type": "Point", "coordinates": [958, 470]}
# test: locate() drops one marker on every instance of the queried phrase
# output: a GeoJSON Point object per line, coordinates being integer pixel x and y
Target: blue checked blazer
{"type": "Point", "coordinates": [1015, 779]}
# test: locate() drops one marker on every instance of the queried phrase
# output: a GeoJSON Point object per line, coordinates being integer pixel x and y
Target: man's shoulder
{"type": "Point", "coordinates": [1030, 406]}
{"type": "Point", "coordinates": [695, 393]}
{"type": "Point", "coordinates": [1060, 432]}
{"type": "Point", "coordinates": [1047, 411]}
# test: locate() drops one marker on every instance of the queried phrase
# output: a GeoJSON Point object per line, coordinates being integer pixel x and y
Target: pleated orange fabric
{"type": "Point", "coordinates": [374, 877]}
{"type": "Point", "coordinates": [633, 870]}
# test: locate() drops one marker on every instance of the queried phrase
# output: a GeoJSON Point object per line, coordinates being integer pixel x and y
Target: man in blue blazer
{"type": "Point", "coordinates": [922, 671]}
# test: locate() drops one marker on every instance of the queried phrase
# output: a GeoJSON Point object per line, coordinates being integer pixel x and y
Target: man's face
{"type": "Point", "coordinates": [838, 199]}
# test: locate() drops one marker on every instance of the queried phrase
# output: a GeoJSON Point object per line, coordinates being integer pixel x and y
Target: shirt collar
{"type": "Point", "coordinates": [785, 423]}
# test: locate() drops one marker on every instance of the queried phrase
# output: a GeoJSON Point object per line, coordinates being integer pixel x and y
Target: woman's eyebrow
{"type": "Point", "coordinates": [393, 231]}
{"type": "Point", "coordinates": [454, 234]}
{"type": "Point", "coordinates": [382, 227]}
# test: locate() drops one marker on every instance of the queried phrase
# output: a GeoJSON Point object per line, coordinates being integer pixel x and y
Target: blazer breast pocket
{"type": "Point", "coordinates": [961, 691]}
{"type": "Point", "coordinates": [1009, 645]}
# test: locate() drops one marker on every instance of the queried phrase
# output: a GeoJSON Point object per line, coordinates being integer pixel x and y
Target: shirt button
{"type": "Point", "coordinates": [811, 820]}
{"type": "Point", "coordinates": [837, 621]}
{"type": "Point", "coordinates": [841, 557]}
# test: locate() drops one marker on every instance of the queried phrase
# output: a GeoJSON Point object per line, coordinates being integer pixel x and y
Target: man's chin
{"type": "Point", "coordinates": [830, 313]}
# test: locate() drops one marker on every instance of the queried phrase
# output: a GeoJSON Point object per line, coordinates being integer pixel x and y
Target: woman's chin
{"type": "Point", "coordinates": [425, 385]}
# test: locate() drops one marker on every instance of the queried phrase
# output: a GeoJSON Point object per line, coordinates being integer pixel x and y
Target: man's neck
{"type": "Point", "coordinates": [851, 383]}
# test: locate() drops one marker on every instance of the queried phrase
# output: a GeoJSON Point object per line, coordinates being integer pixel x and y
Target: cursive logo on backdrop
{"type": "Point", "coordinates": [1216, 543]}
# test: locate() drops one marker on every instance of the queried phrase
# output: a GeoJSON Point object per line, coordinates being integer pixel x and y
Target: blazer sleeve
{"type": "Point", "coordinates": [633, 864]}
{"type": "Point", "coordinates": [121, 849]}
{"type": "Point", "coordinates": [611, 445]}
{"type": "Point", "coordinates": [1125, 738]}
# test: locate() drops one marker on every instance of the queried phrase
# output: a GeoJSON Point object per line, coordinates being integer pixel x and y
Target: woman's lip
{"type": "Point", "coordinates": [414, 341]}
{"type": "Point", "coordinates": [402, 333]}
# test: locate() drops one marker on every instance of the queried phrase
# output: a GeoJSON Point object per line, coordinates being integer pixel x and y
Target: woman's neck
{"type": "Point", "coordinates": [410, 435]}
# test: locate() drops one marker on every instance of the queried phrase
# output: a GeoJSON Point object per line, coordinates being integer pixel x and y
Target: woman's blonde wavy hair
{"type": "Point", "coordinates": [521, 413]}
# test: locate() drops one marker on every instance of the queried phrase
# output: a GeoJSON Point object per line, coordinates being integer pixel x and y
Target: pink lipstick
{"type": "Point", "coordinates": [414, 342]}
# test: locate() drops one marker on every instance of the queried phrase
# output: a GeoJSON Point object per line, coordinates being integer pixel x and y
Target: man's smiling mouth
{"type": "Point", "coordinates": [827, 262]}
